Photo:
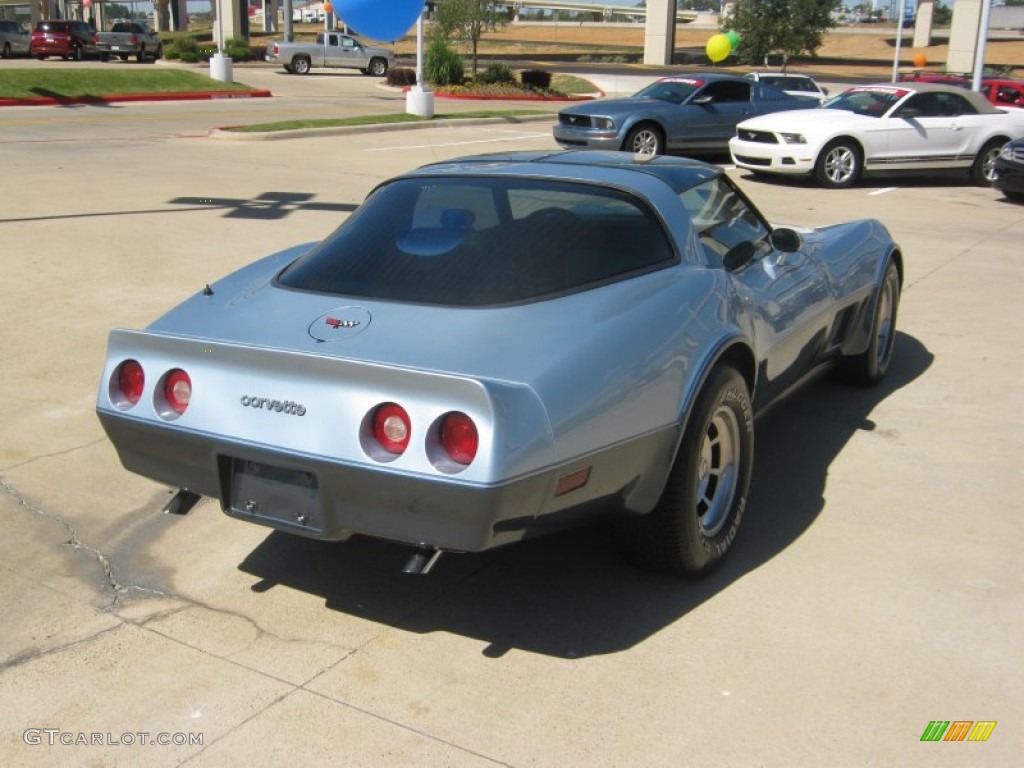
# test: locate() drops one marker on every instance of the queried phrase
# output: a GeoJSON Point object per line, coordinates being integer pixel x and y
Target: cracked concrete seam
{"type": "Point", "coordinates": [121, 590]}
{"type": "Point", "coordinates": [76, 543]}
{"type": "Point", "coordinates": [42, 456]}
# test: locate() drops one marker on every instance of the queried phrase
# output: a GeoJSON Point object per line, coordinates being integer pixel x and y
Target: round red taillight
{"type": "Point", "coordinates": [131, 380]}
{"type": "Point", "coordinates": [178, 390]}
{"type": "Point", "coordinates": [391, 427]}
{"type": "Point", "coordinates": [459, 437]}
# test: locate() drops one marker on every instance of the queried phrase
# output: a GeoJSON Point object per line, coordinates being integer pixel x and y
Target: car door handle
{"type": "Point", "coordinates": [955, 127]}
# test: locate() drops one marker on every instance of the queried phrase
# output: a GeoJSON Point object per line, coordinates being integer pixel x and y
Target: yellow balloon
{"type": "Point", "coordinates": [718, 48]}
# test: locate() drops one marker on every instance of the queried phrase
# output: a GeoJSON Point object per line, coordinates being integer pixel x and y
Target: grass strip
{"type": "Point", "coordinates": [95, 82]}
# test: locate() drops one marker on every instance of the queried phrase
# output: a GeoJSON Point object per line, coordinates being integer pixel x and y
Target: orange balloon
{"type": "Point", "coordinates": [920, 60]}
{"type": "Point", "coordinates": [328, 8]}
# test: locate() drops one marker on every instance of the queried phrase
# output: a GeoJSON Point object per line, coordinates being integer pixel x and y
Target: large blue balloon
{"type": "Point", "coordinates": [379, 19]}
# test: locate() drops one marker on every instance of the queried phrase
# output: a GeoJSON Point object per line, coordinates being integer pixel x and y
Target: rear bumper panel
{"type": "Point", "coordinates": [325, 499]}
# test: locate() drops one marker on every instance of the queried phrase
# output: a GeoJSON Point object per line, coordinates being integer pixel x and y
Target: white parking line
{"type": "Point", "coordinates": [515, 137]}
{"type": "Point", "coordinates": [883, 191]}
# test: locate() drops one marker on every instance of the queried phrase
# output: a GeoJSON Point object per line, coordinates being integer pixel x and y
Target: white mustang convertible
{"type": "Point", "coordinates": [873, 128]}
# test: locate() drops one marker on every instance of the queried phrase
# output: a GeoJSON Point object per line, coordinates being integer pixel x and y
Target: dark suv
{"type": "Point", "coordinates": [62, 37]}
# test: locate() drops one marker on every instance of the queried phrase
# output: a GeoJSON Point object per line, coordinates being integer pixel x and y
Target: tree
{"type": "Point", "coordinates": [789, 27]}
{"type": "Point", "coordinates": [941, 15]}
{"type": "Point", "coordinates": [467, 20]}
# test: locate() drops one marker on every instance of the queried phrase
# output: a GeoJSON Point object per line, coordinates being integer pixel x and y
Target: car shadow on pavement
{"type": "Point", "coordinates": [63, 100]}
{"type": "Point", "coordinates": [919, 180]}
{"type": "Point", "coordinates": [571, 595]}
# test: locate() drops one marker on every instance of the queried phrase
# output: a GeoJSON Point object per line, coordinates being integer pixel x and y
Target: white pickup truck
{"type": "Point", "coordinates": [129, 38]}
{"type": "Point", "coordinates": [331, 49]}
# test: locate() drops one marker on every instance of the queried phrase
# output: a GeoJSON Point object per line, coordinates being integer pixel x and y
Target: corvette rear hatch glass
{"type": "Point", "coordinates": [483, 241]}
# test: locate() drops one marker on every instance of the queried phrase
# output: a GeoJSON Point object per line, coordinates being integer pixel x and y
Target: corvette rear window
{"type": "Point", "coordinates": [482, 241]}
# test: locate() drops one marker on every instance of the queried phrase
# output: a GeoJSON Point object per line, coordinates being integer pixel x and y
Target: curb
{"type": "Point", "coordinates": [50, 101]}
{"type": "Point", "coordinates": [225, 133]}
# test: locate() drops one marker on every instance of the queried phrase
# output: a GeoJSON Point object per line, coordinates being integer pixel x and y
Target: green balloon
{"type": "Point", "coordinates": [734, 39]}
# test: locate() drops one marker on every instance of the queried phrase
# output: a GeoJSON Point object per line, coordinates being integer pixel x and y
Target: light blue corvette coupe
{"type": "Point", "coordinates": [499, 346]}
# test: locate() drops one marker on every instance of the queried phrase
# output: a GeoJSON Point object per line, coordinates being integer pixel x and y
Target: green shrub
{"type": "Point", "coordinates": [237, 49]}
{"type": "Point", "coordinates": [535, 78]}
{"type": "Point", "coordinates": [442, 65]}
{"type": "Point", "coordinates": [497, 73]}
{"type": "Point", "coordinates": [190, 57]}
{"type": "Point", "coordinates": [182, 47]}
{"type": "Point", "coordinates": [401, 76]}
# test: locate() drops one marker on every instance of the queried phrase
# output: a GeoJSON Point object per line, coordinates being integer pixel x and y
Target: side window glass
{"type": "Point", "coordinates": [961, 106]}
{"type": "Point", "coordinates": [722, 219]}
{"type": "Point", "coordinates": [320, 38]}
{"type": "Point", "coordinates": [332, 41]}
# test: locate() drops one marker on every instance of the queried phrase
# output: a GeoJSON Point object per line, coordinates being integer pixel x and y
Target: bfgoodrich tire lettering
{"type": "Point", "coordinates": [696, 520]}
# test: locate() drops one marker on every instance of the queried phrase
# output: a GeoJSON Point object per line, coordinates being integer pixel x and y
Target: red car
{"type": "Point", "coordinates": [1003, 92]}
{"type": "Point", "coordinates": [66, 38]}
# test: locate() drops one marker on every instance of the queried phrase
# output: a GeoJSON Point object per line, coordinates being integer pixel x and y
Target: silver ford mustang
{"type": "Point", "coordinates": [498, 346]}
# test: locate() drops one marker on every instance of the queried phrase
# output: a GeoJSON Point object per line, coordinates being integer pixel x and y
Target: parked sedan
{"type": "Point", "coordinates": [1003, 91]}
{"type": "Point", "coordinates": [14, 39]}
{"type": "Point", "coordinates": [800, 86]}
{"type": "Point", "coordinates": [874, 128]}
{"type": "Point", "coordinates": [697, 113]}
{"type": "Point", "coordinates": [499, 346]}
{"type": "Point", "coordinates": [1009, 170]}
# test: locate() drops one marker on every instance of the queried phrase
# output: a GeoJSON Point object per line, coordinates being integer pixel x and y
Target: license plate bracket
{"type": "Point", "coordinates": [278, 496]}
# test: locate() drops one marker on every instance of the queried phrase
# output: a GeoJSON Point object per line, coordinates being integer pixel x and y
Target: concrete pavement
{"type": "Point", "coordinates": [874, 588]}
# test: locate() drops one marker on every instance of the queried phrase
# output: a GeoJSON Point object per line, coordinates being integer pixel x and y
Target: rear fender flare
{"type": "Point", "coordinates": [735, 350]}
{"type": "Point", "coordinates": [860, 336]}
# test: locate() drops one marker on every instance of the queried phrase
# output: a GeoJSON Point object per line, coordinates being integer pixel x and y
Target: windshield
{"type": "Point", "coordinates": [477, 241]}
{"type": "Point", "coordinates": [674, 91]}
{"type": "Point", "coordinates": [871, 102]}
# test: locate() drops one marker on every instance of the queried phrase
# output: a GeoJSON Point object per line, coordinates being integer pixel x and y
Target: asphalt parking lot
{"type": "Point", "coordinates": [872, 590]}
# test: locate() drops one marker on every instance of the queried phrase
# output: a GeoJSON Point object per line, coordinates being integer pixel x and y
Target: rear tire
{"type": "Point", "coordinates": [983, 172]}
{"type": "Point", "coordinates": [301, 66]}
{"type": "Point", "coordinates": [870, 367]}
{"type": "Point", "coordinates": [695, 522]}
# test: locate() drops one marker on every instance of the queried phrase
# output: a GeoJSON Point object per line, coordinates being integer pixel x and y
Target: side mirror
{"type": "Point", "coordinates": [786, 240]}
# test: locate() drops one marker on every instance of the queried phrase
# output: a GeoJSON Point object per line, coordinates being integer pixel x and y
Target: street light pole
{"type": "Point", "coordinates": [979, 49]}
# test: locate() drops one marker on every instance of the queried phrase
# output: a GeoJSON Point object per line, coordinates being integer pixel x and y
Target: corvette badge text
{"type": "Point", "coordinates": [278, 406]}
